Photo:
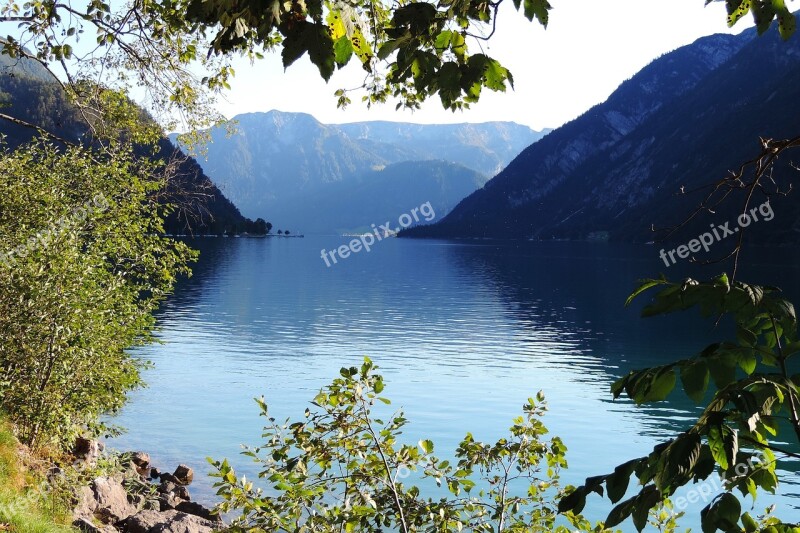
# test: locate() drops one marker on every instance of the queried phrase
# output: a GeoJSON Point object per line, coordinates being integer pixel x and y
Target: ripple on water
{"type": "Point", "coordinates": [463, 334]}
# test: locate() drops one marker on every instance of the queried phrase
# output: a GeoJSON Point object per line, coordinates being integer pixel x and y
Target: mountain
{"type": "Point", "coordinates": [485, 147]}
{"type": "Point", "coordinates": [29, 93]}
{"type": "Point", "coordinates": [300, 172]}
{"type": "Point", "coordinates": [383, 195]}
{"type": "Point", "coordinates": [682, 121]}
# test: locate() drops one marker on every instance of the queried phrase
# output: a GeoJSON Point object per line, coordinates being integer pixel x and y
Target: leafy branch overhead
{"type": "Point", "coordinates": [763, 12]}
{"type": "Point", "coordinates": [754, 391]}
{"type": "Point", "coordinates": [177, 53]}
{"type": "Point", "coordinates": [409, 51]}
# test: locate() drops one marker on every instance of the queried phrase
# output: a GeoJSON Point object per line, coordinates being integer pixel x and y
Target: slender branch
{"type": "Point", "coordinates": [750, 176]}
{"type": "Point", "coordinates": [768, 446]}
{"type": "Point", "coordinates": [392, 485]}
{"type": "Point", "coordinates": [795, 418]}
{"type": "Point", "coordinates": [25, 124]}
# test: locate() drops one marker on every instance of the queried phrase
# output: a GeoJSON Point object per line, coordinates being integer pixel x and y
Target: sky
{"type": "Point", "coordinates": [587, 50]}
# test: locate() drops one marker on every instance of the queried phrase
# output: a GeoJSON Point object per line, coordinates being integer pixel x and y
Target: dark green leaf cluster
{"type": "Point", "coordinates": [754, 391]}
{"type": "Point", "coordinates": [423, 44]}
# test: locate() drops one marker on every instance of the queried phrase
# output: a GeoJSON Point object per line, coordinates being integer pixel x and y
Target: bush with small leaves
{"type": "Point", "coordinates": [342, 468]}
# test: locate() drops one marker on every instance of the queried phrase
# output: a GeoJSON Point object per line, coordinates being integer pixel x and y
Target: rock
{"type": "Point", "coordinates": [86, 503]}
{"type": "Point", "coordinates": [185, 523]}
{"type": "Point", "coordinates": [54, 473]}
{"type": "Point", "coordinates": [87, 450]}
{"type": "Point", "coordinates": [141, 462]}
{"type": "Point", "coordinates": [144, 521]}
{"type": "Point", "coordinates": [167, 522]}
{"type": "Point", "coordinates": [184, 475]}
{"type": "Point", "coordinates": [169, 478]}
{"type": "Point", "coordinates": [155, 473]}
{"type": "Point", "coordinates": [167, 502]}
{"type": "Point", "coordinates": [86, 526]}
{"type": "Point", "coordinates": [112, 501]}
{"type": "Point", "coordinates": [182, 493]}
{"type": "Point", "coordinates": [140, 458]}
{"type": "Point", "coordinates": [137, 500]}
{"type": "Point", "coordinates": [166, 487]}
{"type": "Point", "coordinates": [179, 491]}
{"type": "Point", "coordinates": [197, 509]}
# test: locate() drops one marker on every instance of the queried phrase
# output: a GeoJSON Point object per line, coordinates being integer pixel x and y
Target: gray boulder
{"type": "Point", "coordinates": [84, 525]}
{"type": "Point", "coordinates": [197, 509]}
{"type": "Point", "coordinates": [167, 522]}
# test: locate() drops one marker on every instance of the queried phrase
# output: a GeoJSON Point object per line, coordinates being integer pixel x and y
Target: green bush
{"type": "Point", "coordinates": [82, 269]}
{"type": "Point", "coordinates": [343, 469]}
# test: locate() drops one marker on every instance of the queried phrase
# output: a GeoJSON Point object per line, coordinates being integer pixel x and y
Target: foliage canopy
{"type": "Point", "coordinates": [176, 54]}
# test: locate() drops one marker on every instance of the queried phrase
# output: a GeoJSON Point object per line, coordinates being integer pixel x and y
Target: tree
{"type": "Point", "coordinates": [409, 52]}
{"type": "Point", "coordinates": [262, 227]}
{"type": "Point", "coordinates": [83, 269]}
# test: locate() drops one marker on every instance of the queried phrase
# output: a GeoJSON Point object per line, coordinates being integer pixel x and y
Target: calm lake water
{"type": "Point", "coordinates": [463, 333]}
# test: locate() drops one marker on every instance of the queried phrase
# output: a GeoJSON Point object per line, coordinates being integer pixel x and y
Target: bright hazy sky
{"type": "Point", "coordinates": [588, 49]}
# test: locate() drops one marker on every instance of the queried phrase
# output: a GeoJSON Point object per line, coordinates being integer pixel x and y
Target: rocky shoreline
{"type": "Point", "coordinates": [139, 498]}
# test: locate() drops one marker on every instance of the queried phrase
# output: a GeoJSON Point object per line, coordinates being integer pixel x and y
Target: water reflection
{"type": "Point", "coordinates": [463, 333]}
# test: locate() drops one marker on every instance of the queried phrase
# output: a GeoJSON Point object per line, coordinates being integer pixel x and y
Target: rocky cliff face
{"type": "Point", "coordinates": [684, 120]}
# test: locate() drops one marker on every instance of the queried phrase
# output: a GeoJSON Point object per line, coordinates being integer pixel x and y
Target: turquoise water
{"type": "Point", "coordinates": [463, 333]}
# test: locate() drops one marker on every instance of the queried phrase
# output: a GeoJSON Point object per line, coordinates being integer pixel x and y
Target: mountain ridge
{"type": "Point", "coordinates": [285, 164]}
{"type": "Point", "coordinates": [32, 95]}
{"type": "Point", "coordinates": [613, 174]}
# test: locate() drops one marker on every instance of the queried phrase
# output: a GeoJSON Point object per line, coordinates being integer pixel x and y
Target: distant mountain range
{"type": "Point", "coordinates": [683, 121]}
{"type": "Point", "coordinates": [313, 177]}
{"type": "Point", "coordinates": [29, 93]}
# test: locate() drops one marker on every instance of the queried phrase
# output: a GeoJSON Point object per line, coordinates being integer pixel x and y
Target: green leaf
{"type": "Point", "coordinates": [748, 361]}
{"type": "Point", "coordinates": [695, 377]}
{"type": "Point", "coordinates": [443, 40]}
{"type": "Point", "coordinates": [494, 74]}
{"type": "Point", "coordinates": [660, 387]}
{"type": "Point", "coordinates": [737, 9]}
{"type": "Point", "coordinates": [315, 39]}
{"type": "Point", "coordinates": [575, 501]}
{"type": "Point", "coordinates": [750, 525]}
{"type": "Point", "coordinates": [643, 286]}
{"type": "Point", "coordinates": [716, 442]}
{"type": "Point", "coordinates": [787, 24]}
{"type": "Point", "coordinates": [426, 445]}
{"type": "Point", "coordinates": [729, 508]}
{"type": "Point", "coordinates": [539, 9]}
{"type": "Point", "coordinates": [343, 50]}
{"type": "Point", "coordinates": [620, 512]}
{"type": "Point", "coordinates": [617, 483]}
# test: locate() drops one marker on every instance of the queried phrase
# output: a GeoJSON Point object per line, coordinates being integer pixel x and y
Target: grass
{"type": "Point", "coordinates": [24, 508]}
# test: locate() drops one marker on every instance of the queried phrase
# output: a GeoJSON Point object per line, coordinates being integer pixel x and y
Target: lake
{"type": "Point", "coordinates": [463, 334]}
